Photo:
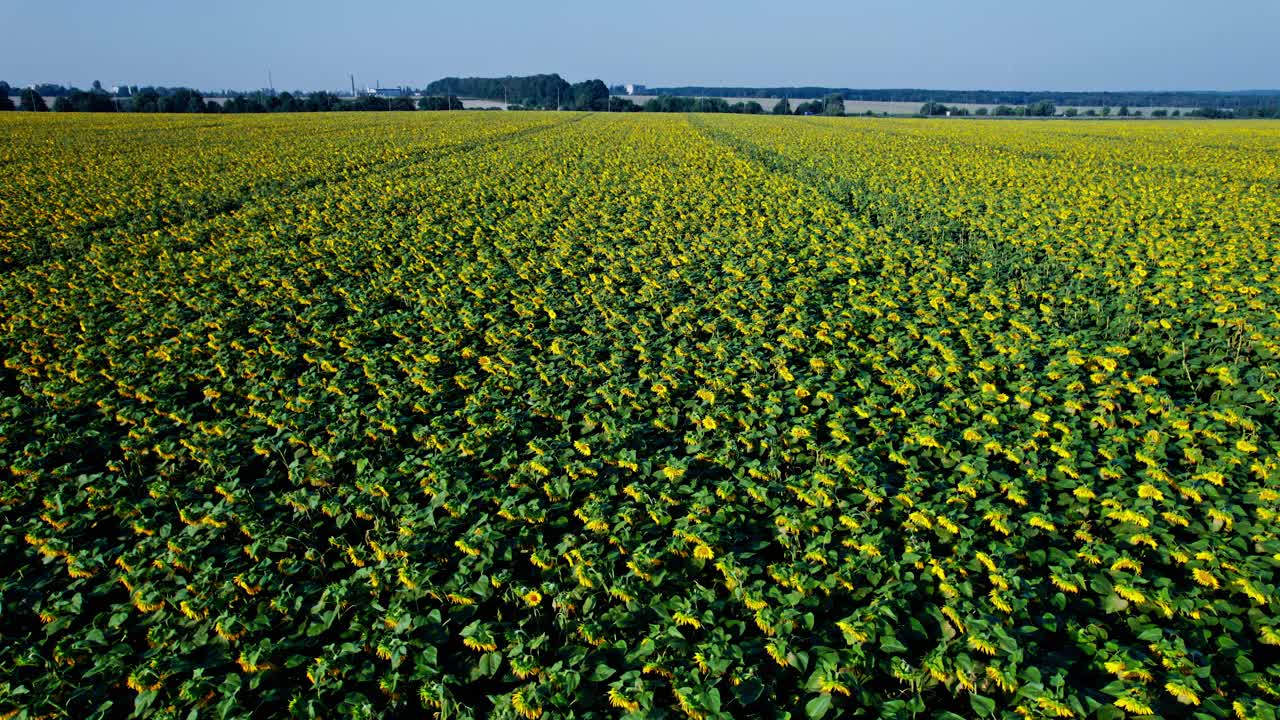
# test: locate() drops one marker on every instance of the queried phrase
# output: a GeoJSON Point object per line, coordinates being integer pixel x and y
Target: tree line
{"type": "Point", "coordinates": [186, 100]}
{"type": "Point", "coordinates": [1236, 102]}
{"type": "Point", "coordinates": [1044, 108]}
{"type": "Point", "coordinates": [551, 92]}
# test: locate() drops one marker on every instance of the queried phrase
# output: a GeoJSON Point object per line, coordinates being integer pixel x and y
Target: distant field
{"type": "Point", "coordinates": [857, 107]}
{"type": "Point", "coordinates": [851, 107]}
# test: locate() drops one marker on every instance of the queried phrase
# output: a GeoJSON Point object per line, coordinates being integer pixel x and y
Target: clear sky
{"type": "Point", "coordinates": [952, 44]}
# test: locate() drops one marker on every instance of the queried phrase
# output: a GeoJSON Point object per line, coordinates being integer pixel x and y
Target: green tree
{"type": "Point", "coordinates": [31, 101]}
{"type": "Point", "coordinates": [590, 95]}
{"type": "Point", "coordinates": [81, 101]}
{"type": "Point", "coordinates": [931, 109]}
{"type": "Point", "coordinates": [1042, 108]}
{"type": "Point", "coordinates": [833, 104]}
{"type": "Point", "coordinates": [783, 107]}
{"type": "Point", "coordinates": [813, 107]}
{"type": "Point", "coordinates": [1124, 111]}
{"type": "Point", "coordinates": [1071, 112]}
{"type": "Point", "coordinates": [436, 102]}
{"type": "Point", "coordinates": [1106, 111]}
{"type": "Point", "coordinates": [5, 102]}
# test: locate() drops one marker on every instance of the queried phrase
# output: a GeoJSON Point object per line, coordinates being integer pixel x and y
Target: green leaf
{"type": "Point", "coordinates": [1109, 712]}
{"type": "Point", "coordinates": [818, 706]}
{"type": "Point", "coordinates": [890, 644]}
{"type": "Point", "coordinates": [1114, 603]}
{"type": "Point", "coordinates": [983, 706]}
{"type": "Point", "coordinates": [712, 700]}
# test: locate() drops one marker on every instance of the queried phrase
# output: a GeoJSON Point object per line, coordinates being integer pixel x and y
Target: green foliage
{"type": "Point", "coordinates": [79, 101]}
{"type": "Point", "coordinates": [30, 100]}
{"type": "Point", "coordinates": [435, 102]}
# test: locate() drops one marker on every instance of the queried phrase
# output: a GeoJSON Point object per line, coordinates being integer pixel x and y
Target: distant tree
{"type": "Point", "coordinates": [1214, 113]}
{"type": "Point", "coordinates": [52, 90]}
{"type": "Point", "coordinates": [1071, 112]}
{"type": "Point", "coordinates": [238, 104]}
{"type": "Point", "coordinates": [813, 107]}
{"type": "Point", "coordinates": [621, 104]}
{"type": "Point", "coordinates": [1137, 113]}
{"type": "Point", "coordinates": [5, 102]}
{"type": "Point", "coordinates": [402, 103]}
{"type": "Point", "coordinates": [31, 101]}
{"type": "Point", "coordinates": [1091, 112]}
{"type": "Point", "coordinates": [182, 100]}
{"type": "Point", "coordinates": [782, 107]}
{"type": "Point", "coordinates": [670, 103]}
{"type": "Point", "coordinates": [1002, 110]}
{"type": "Point", "coordinates": [97, 87]}
{"type": "Point", "coordinates": [1042, 108]}
{"type": "Point", "coordinates": [367, 103]}
{"type": "Point", "coordinates": [833, 104]}
{"type": "Point", "coordinates": [1106, 110]}
{"type": "Point", "coordinates": [1159, 112]}
{"type": "Point", "coordinates": [1176, 113]}
{"type": "Point", "coordinates": [285, 102]}
{"type": "Point", "coordinates": [530, 92]}
{"type": "Point", "coordinates": [1124, 111]}
{"type": "Point", "coordinates": [320, 102]}
{"type": "Point", "coordinates": [931, 109]}
{"type": "Point", "coordinates": [713, 105]}
{"type": "Point", "coordinates": [980, 111]}
{"type": "Point", "coordinates": [752, 107]}
{"type": "Point", "coordinates": [589, 95]}
{"type": "Point", "coordinates": [436, 102]}
{"type": "Point", "coordinates": [80, 101]}
{"type": "Point", "coordinates": [145, 100]}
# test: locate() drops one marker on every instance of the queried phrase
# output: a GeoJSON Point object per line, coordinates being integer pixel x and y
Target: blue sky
{"type": "Point", "coordinates": [956, 44]}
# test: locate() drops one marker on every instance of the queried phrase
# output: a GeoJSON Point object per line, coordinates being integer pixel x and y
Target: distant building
{"type": "Point", "coordinates": [387, 92]}
{"type": "Point", "coordinates": [634, 89]}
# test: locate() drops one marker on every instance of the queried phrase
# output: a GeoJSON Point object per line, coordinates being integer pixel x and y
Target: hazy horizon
{"type": "Point", "coordinates": [983, 45]}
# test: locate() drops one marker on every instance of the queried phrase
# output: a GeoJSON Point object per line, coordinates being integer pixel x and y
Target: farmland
{"type": "Point", "coordinates": [579, 415]}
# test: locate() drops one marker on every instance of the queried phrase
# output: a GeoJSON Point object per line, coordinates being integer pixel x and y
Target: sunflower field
{"type": "Point", "coordinates": [559, 415]}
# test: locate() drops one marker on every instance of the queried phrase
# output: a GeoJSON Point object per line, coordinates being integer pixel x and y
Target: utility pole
{"type": "Point", "coordinates": [353, 86]}
{"type": "Point", "coordinates": [271, 86]}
